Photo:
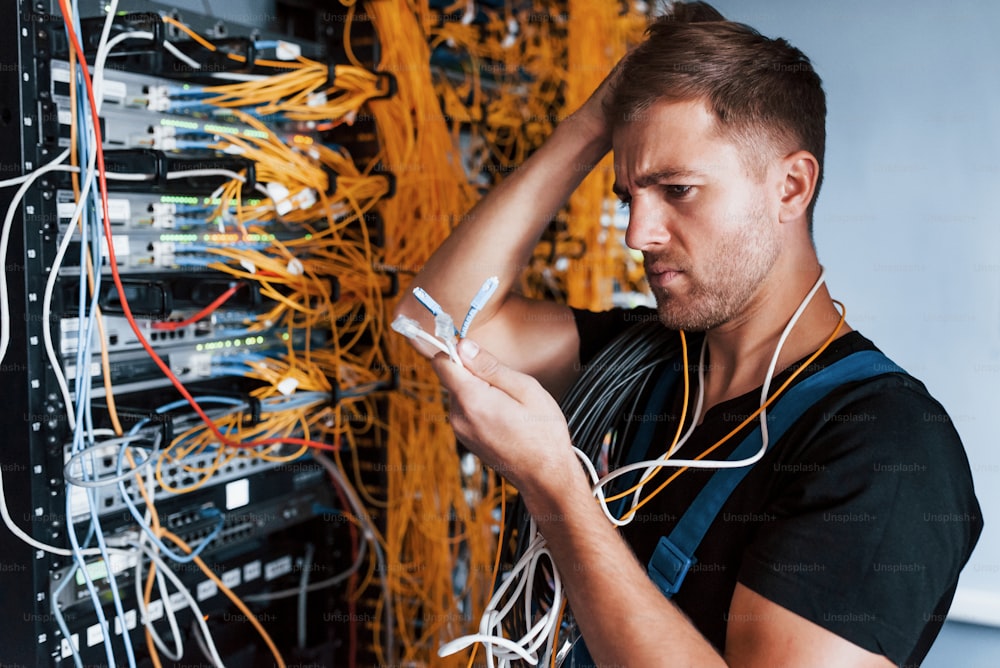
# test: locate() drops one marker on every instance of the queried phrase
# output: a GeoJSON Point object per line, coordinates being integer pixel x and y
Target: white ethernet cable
{"type": "Point", "coordinates": [663, 461]}
{"type": "Point", "coordinates": [26, 182]}
{"type": "Point", "coordinates": [411, 329]}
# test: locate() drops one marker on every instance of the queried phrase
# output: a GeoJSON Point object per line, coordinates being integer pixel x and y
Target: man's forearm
{"type": "Point", "coordinates": [624, 618]}
{"type": "Point", "coordinates": [497, 236]}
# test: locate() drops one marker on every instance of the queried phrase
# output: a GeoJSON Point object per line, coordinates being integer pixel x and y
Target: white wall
{"type": "Point", "coordinates": [907, 223]}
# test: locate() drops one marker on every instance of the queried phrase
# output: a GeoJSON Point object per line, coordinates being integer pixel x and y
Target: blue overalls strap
{"type": "Point", "coordinates": [674, 555]}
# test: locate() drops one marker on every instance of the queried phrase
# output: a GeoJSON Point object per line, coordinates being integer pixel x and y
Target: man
{"type": "Point", "coordinates": [829, 552]}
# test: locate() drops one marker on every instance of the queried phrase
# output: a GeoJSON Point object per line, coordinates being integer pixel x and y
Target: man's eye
{"type": "Point", "coordinates": [678, 191]}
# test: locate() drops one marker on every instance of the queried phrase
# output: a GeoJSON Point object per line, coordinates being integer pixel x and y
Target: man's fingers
{"type": "Point", "coordinates": [424, 348]}
{"type": "Point", "coordinates": [449, 372]}
{"type": "Point", "coordinates": [486, 366]}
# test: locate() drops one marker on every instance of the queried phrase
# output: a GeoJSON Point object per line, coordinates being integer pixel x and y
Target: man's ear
{"type": "Point", "coordinates": [800, 172]}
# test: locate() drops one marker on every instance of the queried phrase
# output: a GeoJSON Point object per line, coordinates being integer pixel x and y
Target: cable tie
{"type": "Point", "coordinates": [390, 180]}
{"type": "Point", "coordinates": [391, 86]}
{"type": "Point", "coordinates": [393, 288]}
{"type": "Point", "coordinates": [478, 302]}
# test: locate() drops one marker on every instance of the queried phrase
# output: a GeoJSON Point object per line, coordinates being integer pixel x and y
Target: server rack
{"type": "Point", "coordinates": [270, 521]}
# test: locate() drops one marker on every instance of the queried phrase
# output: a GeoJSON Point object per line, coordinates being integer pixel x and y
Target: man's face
{"type": "Point", "coordinates": [704, 224]}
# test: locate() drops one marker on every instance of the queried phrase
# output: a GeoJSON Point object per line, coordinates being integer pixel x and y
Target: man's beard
{"type": "Point", "coordinates": [721, 286]}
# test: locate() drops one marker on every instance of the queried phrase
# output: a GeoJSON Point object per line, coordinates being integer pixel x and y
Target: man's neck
{"type": "Point", "coordinates": [740, 351]}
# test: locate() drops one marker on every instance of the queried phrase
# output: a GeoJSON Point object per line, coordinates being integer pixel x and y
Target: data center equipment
{"type": "Point", "coordinates": [191, 358]}
{"type": "Point", "coordinates": [214, 451]}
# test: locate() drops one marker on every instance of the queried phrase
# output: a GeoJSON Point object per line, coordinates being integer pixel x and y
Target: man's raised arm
{"type": "Point", "coordinates": [497, 237]}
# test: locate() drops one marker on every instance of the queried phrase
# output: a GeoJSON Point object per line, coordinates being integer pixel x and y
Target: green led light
{"type": "Point", "coordinates": [255, 133]}
{"type": "Point", "coordinates": [252, 202]}
{"type": "Point", "coordinates": [187, 86]}
{"type": "Point", "coordinates": [177, 123]}
{"type": "Point", "coordinates": [221, 129]}
{"type": "Point", "coordinates": [284, 336]}
{"type": "Point", "coordinates": [236, 343]}
{"type": "Point", "coordinates": [249, 340]}
{"type": "Point", "coordinates": [179, 238]}
{"type": "Point", "coordinates": [199, 347]}
{"type": "Point", "coordinates": [260, 339]}
{"type": "Point", "coordinates": [178, 199]}
{"type": "Point", "coordinates": [229, 344]}
{"type": "Point", "coordinates": [308, 237]}
{"type": "Point", "coordinates": [96, 570]}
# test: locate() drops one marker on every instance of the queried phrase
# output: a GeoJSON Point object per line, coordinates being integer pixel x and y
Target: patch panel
{"type": "Point", "coordinates": [288, 498]}
{"type": "Point", "coordinates": [134, 370]}
{"type": "Point", "coordinates": [108, 500]}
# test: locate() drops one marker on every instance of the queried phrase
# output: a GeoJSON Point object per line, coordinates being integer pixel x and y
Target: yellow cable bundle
{"type": "Point", "coordinates": [303, 93]}
{"type": "Point", "coordinates": [592, 50]}
{"type": "Point", "coordinates": [430, 517]}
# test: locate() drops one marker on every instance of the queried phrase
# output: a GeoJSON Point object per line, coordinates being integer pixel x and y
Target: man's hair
{"type": "Point", "coordinates": [764, 92]}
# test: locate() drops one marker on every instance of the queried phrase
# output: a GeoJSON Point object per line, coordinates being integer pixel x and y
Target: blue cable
{"type": "Point", "coordinates": [186, 91]}
{"type": "Point", "coordinates": [478, 302]}
{"type": "Point", "coordinates": [78, 558]}
{"type": "Point", "coordinates": [83, 374]}
{"type": "Point", "coordinates": [188, 105]}
{"type": "Point", "coordinates": [191, 261]}
{"type": "Point", "coordinates": [131, 505]}
{"type": "Point", "coordinates": [89, 219]}
{"type": "Point", "coordinates": [60, 620]}
{"type": "Point", "coordinates": [184, 209]}
{"type": "Point", "coordinates": [179, 558]}
{"type": "Point", "coordinates": [427, 301]}
{"type": "Point", "coordinates": [193, 144]}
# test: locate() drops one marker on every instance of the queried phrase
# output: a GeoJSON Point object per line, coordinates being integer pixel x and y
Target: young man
{"type": "Point", "coordinates": [832, 551]}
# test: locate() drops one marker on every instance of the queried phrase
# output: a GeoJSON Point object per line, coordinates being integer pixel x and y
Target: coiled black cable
{"type": "Point", "coordinates": [608, 390]}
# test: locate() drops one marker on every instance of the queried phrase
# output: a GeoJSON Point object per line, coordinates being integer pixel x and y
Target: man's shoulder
{"type": "Point", "coordinates": [599, 328]}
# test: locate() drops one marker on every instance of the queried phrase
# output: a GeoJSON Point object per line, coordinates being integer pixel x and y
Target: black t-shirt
{"type": "Point", "coordinates": [858, 519]}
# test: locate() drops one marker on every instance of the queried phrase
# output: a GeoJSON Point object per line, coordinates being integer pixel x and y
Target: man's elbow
{"type": "Point", "coordinates": [408, 306]}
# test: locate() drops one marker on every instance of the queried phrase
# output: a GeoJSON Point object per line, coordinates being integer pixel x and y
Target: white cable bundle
{"type": "Point", "coordinates": [541, 633]}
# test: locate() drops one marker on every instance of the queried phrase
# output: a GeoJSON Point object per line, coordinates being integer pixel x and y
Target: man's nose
{"type": "Point", "coordinates": [648, 228]}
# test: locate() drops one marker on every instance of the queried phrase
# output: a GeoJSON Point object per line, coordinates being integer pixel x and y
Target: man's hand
{"type": "Point", "coordinates": [506, 418]}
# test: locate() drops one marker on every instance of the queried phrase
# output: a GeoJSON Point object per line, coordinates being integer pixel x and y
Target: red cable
{"type": "Point", "coordinates": [208, 310]}
{"type": "Point", "coordinates": [126, 310]}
